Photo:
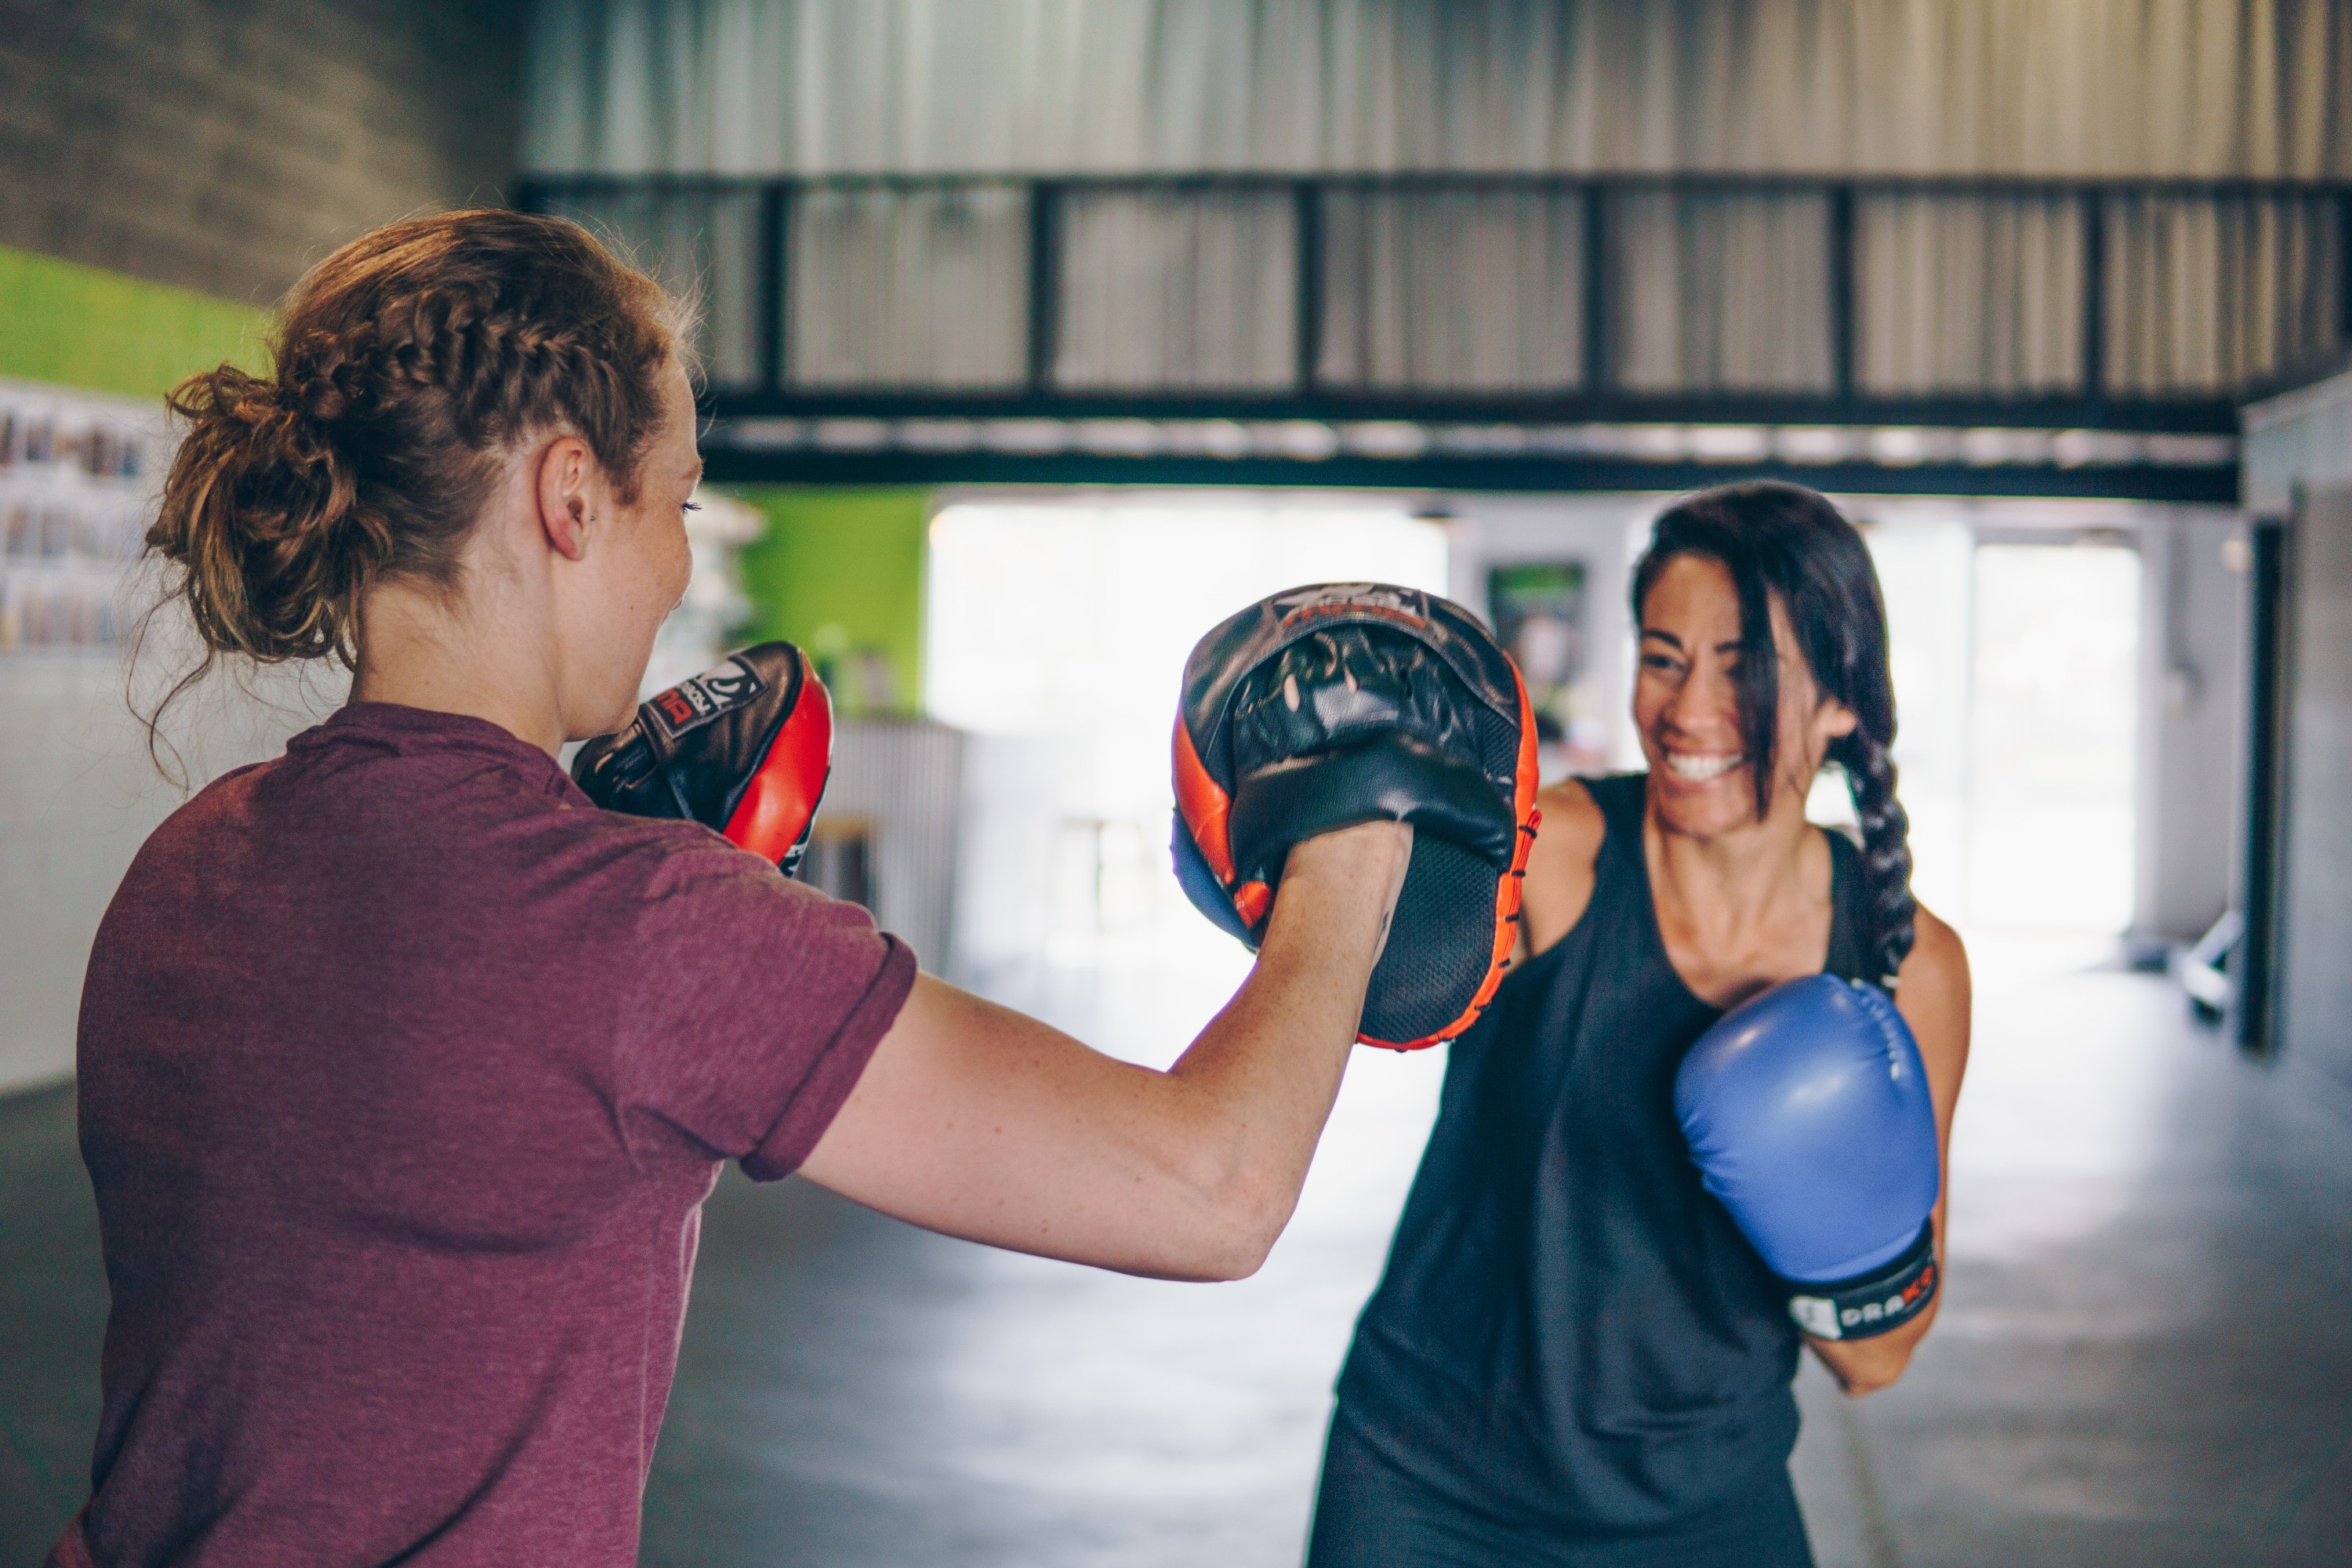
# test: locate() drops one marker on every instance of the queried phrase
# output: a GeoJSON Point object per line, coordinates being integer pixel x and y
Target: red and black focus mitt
{"type": "Point", "coordinates": [744, 748]}
{"type": "Point", "coordinates": [1332, 705]}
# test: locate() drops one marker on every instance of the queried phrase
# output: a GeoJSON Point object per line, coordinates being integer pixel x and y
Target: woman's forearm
{"type": "Point", "coordinates": [1267, 1068]}
{"type": "Point", "coordinates": [1866, 1366]}
{"type": "Point", "coordinates": [979, 1122]}
{"type": "Point", "coordinates": [1934, 997]}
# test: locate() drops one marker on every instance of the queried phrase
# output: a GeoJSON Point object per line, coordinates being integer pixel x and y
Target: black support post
{"type": "Point", "coordinates": [1309, 198]}
{"type": "Point", "coordinates": [1842, 260]}
{"type": "Point", "coordinates": [2254, 967]}
{"type": "Point", "coordinates": [2344, 269]}
{"type": "Point", "coordinates": [774, 296]}
{"type": "Point", "coordinates": [2095, 297]}
{"type": "Point", "coordinates": [1045, 282]}
{"type": "Point", "coordinates": [1599, 344]}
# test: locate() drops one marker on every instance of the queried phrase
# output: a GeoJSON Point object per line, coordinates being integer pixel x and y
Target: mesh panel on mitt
{"type": "Point", "coordinates": [1422, 978]}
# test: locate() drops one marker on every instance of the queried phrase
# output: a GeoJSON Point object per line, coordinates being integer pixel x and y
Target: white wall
{"type": "Point", "coordinates": [2316, 937]}
{"type": "Point", "coordinates": [2192, 720]}
{"type": "Point", "coordinates": [77, 797]}
{"type": "Point", "coordinates": [2299, 465]}
{"type": "Point", "coordinates": [79, 793]}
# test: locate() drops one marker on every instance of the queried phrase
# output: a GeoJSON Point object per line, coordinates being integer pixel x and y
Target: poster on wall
{"type": "Point", "coordinates": [79, 477]}
{"type": "Point", "coordinates": [1539, 611]}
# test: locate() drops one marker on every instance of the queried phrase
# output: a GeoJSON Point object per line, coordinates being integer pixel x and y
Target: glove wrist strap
{"type": "Point", "coordinates": [1871, 1304]}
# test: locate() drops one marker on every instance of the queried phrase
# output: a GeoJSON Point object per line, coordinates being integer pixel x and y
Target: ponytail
{"type": "Point", "coordinates": [260, 514]}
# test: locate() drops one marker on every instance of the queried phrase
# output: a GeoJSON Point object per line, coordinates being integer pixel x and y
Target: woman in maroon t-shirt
{"type": "Point", "coordinates": [404, 1071]}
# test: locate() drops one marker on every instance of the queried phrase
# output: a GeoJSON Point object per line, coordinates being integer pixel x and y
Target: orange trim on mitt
{"type": "Point", "coordinates": [1205, 807]}
{"type": "Point", "coordinates": [1530, 769]}
{"type": "Point", "coordinates": [784, 789]}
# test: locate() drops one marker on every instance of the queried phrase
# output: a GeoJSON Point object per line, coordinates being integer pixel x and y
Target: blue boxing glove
{"type": "Point", "coordinates": [1808, 1114]}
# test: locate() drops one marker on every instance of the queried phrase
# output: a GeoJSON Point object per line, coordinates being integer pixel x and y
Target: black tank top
{"type": "Point", "coordinates": [1572, 1338]}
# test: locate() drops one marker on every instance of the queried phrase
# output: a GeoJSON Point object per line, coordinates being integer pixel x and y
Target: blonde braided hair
{"type": "Point", "coordinates": [406, 365]}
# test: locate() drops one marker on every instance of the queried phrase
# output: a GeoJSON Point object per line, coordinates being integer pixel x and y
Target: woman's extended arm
{"type": "Point", "coordinates": [1932, 994]}
{"type": "Point", "coordinates": [984, 1123]}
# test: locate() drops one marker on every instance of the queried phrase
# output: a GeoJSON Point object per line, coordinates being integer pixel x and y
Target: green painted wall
{"type": "Point", "coordinates": [840, 573]}
{"type": "Point", "coordinates": [82, 326]}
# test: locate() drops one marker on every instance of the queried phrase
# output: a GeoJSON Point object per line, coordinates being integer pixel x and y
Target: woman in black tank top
{"type": "Point", "coordinates": [1574, 1356]}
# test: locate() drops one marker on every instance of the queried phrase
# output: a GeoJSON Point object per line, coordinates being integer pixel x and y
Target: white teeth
{"type": "Point", "coordinates": [1697, 768]}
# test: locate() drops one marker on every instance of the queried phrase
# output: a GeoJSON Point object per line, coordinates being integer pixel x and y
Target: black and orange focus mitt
{"type": "Point", "coordinates": [744, 748]}
{"type": "Point", "coordinates": [1332, 705]}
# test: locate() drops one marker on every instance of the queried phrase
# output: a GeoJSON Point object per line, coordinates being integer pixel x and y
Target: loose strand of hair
{"type": "Point", "coordinates": [166, 757]}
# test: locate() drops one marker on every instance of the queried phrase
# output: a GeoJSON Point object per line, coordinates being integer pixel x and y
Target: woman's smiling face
{"type": "Point", "coordinates": [1686, 704]}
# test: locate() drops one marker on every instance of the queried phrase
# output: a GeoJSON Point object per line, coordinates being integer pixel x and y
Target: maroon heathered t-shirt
{"type": "Point", "coordinates": [404, 1073]}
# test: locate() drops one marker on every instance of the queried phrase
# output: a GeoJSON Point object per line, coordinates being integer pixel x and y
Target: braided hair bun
{"type": "Point", "coordinates": [1785, 541]}
{"type": "Point", "coordinates": [406, 366]}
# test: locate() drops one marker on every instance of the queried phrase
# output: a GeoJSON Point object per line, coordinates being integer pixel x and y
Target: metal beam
{"type": "Point", "coordinates": [2344, 268]}
{"type": "Point", "coordinates": [1594, 399]}
{"type": "Point", "coordinates": [537, 188]}
{"type": "Point", "coordinates": [2208, 485]}
{"type": "Point", "coordinates": [2203, 415]}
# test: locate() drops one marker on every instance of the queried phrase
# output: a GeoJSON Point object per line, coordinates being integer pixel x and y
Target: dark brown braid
{"type": "Point", "coordinates": [1784, 542]}
{"type": "Point", "coordinates": [408, 364]}
{"type": "Point", "coordinates": [1886, 846]}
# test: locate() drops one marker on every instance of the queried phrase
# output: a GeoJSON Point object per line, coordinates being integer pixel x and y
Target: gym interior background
{"type": "Point", "coordinates": [1039, 334]}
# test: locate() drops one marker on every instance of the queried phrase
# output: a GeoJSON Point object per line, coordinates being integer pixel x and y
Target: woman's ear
{"type": "Point", "coordinates": [1832, 720]}
{"type": "Point", "coordinates": [566, 494]}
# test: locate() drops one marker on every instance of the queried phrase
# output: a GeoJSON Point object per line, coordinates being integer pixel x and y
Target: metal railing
{"type": "Point", "coordinates": [767, 384]}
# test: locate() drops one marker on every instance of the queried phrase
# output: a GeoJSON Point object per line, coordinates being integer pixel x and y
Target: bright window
{"type": "Point", "coordinates": [2054, 735]}
{"type": "Point", "coordinates": [1056, 633]}
{"type": "Point", "coordinates": [1076, 618]}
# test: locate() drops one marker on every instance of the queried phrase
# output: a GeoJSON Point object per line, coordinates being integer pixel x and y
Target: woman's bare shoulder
{"type": "Point", "coordinates": [1572, 822]}
{"type": "Point", "coordinates": [1937, 965]}
{"type": "Point", "coordinates": [1559, 866]}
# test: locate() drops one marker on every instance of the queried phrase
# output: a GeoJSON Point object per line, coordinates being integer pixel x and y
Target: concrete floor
{"type": "Point", "coordinates": [2144, 1356]}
